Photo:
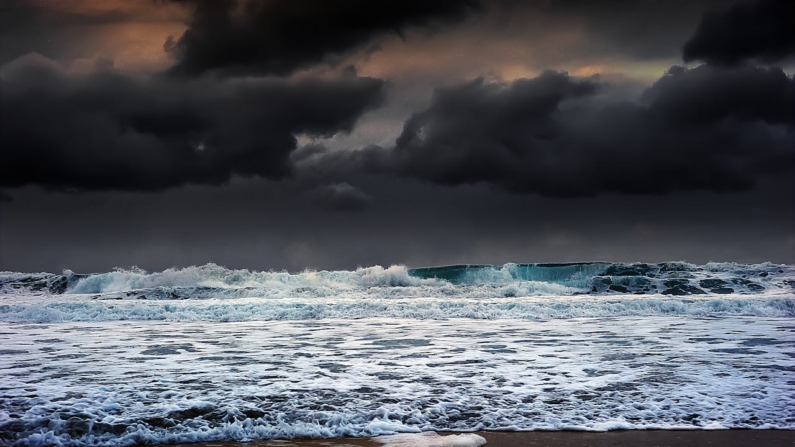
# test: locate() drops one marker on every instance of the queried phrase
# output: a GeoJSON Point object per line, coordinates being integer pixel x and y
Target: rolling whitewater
{"type": "Point", "coordinates": [207, 353]}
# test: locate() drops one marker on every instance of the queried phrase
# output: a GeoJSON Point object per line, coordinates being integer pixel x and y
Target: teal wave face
{"type": "Point", "coordinates": [570, 275]}
{"type": "Point", "coordinates": [667, 278]}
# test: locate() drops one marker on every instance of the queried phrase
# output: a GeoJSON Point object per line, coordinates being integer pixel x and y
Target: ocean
{"type": "Point", "coordinates": [211, 354]}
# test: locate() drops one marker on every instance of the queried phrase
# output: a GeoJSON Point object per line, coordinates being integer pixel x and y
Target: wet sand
{"type": "Point", "coordinates": [631, 438]}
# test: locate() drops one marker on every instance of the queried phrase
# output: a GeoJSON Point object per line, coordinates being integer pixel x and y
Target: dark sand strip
{"type": "Point", "coordinates": [630, 438]}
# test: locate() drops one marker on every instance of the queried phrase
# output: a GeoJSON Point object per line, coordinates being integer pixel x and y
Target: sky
{"type": "Point", "coordinates": [331, 134]}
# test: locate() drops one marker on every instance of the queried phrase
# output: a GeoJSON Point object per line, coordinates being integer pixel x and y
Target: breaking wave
{"type": "Point", "coordinates": [516, 291]}
{"type": "Point", "coordinates": [211, 280]}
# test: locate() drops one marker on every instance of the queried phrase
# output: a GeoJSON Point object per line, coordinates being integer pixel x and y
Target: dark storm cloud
{"type": "Point", "coordinates": [752, 29]}
{"type": "Point", "coordinates": [341, 197]}
{"type": "Point", "coordinates": [701, 129]}
{"type": "Point", "coordinates": [705, 96]}
{"type": "Point", "coordinates": [277, 37]}
{"type": "Point", "coordinates": [110, 131]}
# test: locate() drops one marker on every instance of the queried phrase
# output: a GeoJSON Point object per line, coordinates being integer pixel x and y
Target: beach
{"type": "Point", "coordinates": [621, 438]}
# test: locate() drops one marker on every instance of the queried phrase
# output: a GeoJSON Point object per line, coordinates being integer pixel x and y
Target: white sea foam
{"type": "Point", "coordinates": [207, 353]}
{"type": "Point", "coordinates": [432, 439]}
{"type": "Point", "coordinates": [83, 308]}
{"type": "Point", "coordinates": [214, 276]}
{"type": "Point", "coordinates": [114, 384]}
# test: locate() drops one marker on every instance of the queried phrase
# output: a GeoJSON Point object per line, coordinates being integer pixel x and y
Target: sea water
{"type": "Point", "coordinates": [206, 353]}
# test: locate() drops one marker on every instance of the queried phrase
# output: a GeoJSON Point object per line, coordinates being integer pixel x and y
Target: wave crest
{"type": "Point", "coordinates": [398, 281]}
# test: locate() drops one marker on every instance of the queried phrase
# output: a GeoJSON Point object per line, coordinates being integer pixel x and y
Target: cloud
{"type": "Point", "coordinates": [277, 37]}
{"type": "Point", "coordinates": [751, 29]}
{"type": "Point", "coordinates": [341, 197]}
{"type": "Point", "coordinates": [105, 130]}
{"type": "Point", "coordinates": [706, 129]}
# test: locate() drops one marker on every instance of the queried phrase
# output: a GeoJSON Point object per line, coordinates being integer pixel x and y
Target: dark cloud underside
{"type": "Point", "coordinates": [699, 129]}
{"type": "Point", "coordinates": [748, 30]}
{"type": "Point", "coordinates": [279, 36]}
{"type": "Point", "coordinates": [110, 131]}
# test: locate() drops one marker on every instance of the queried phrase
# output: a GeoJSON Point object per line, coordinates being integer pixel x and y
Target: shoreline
{"type": "Point", "coordinates": [613, 438]}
